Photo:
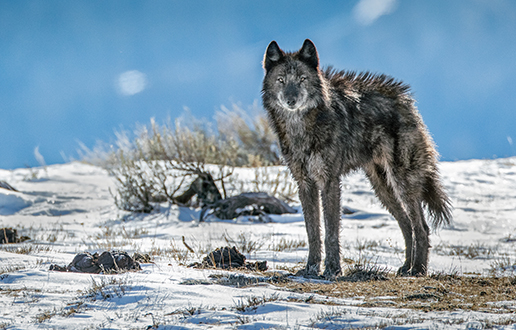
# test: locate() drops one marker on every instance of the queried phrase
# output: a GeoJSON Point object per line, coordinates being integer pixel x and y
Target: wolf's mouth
{"type": "Point", "coordinates": [292, 105]}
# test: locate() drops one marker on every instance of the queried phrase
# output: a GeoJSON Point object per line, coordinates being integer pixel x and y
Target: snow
{"type": "Point", "coordinates": [67, 209]}
{"type": "Point", "coordinates": [12, 202]}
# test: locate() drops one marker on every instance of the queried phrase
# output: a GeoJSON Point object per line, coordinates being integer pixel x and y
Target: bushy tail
{"type": "Point", "coordinates": [437, 201]}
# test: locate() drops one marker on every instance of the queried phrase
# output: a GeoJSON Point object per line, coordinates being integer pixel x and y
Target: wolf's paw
{"type": "Point", "coordinates": [310, 271]}
{"type": "Point", "coordinates": [332, 270]}
{"type": "Point", "coordinates": [404, 271]}
{"type": "Point", "coordinates": [332, 267]}
{"type": "Point", "coordinates": [418, 271]}
{"type": "Point", "coordinates": [332, 273]}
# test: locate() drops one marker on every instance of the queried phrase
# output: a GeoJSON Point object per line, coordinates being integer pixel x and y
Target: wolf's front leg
{"type": "Point", "coordinates": [309, 196]}
{"type": "Point", "coordinates": [331, 209]}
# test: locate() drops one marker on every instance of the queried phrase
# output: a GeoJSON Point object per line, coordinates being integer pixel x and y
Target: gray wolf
{"type": "Point", "coordinates": [331, 122]}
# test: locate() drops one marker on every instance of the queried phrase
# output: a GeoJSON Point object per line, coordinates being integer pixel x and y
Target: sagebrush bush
{"type": "Point", "coordinates": [158, 162]}
{"type": "Point", "coordinates": [274, 180]}
{"type": "Point", "coordinates": [162, 162]}
{"type": "Point", "coordinates": [257, 144]}
{"type": "Point", "coordinates": [238, 141]}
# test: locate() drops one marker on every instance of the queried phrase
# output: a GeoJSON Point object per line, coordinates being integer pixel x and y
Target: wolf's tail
{"type": "Point", "coordinates": [437, 201]}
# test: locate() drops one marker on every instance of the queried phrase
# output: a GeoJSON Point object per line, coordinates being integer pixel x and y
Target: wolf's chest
{"type": "Point", "coordinates": [317, 168]}
{"type": "Point", "coordinates": [305, 162]}
{"type": "Point", "coordinates": [304, 150]}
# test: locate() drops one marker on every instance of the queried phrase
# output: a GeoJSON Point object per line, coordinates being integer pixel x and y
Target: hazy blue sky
{"type": "Point", "coordinates": [76, 70]}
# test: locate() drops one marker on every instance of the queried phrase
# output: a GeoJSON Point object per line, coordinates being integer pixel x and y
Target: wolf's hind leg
{"type": "Point", "coordinates": [378, 178]}
{"type": "Point", "coordinates": [331, 209]}
{"type": "Point", "coordinates": [309, 196]}
{"type": "Point", "coordinates": [421, 240]}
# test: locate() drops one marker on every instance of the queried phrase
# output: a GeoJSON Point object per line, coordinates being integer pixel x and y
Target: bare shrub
{"type": "Point", "coordinates": [163, 160]}
{"type": "Point", "coordinates": [135, 188]}
{"type": "Point", "coordinates": [158, 162]}
{"type": "Point", "coordinates": [257, 144]}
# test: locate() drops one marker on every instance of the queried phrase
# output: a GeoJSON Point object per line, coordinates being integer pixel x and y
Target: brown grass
{"type": "Point", "coordinates": [431, 293]}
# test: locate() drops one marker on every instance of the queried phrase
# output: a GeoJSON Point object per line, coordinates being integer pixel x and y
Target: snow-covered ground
{"type": "Point", "coordinates": [67, 209]}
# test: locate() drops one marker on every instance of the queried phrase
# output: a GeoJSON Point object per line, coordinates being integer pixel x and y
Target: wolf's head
{"type": "Point", "coordinates": [292, 80]}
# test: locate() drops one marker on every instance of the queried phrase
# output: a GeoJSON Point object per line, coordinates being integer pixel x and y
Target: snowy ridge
{"type": "Point", "coordinates": [68, 208]}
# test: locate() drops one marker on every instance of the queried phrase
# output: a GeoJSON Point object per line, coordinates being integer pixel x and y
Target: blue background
{"type": "Point", "coordinates": [60, 61]}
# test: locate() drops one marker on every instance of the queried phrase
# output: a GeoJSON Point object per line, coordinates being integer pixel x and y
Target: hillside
{"type": "Point", "coordinates": [67, 209]}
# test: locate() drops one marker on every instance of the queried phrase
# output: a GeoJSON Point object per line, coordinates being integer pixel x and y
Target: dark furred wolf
{"type": "Point", "coordinates": [332, 122]}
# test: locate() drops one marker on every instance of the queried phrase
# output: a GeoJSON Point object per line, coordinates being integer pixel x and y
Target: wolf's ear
{"type": "Point", "coordinates": [308, 54]}
{"type": "Point", "coordinates": [272, 55]}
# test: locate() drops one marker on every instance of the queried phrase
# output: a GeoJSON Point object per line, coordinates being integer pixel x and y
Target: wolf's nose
{"type": "Point", "coordinates": [291, 102]}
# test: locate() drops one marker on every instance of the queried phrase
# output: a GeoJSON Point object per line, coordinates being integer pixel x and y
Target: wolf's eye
{"type": "Point", "coordinates": [280, 79]}
{"type": "Point", "coordinates": [303, 78]}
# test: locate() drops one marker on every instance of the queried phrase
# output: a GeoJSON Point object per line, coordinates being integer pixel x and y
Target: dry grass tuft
{"type": "Point", "coordinates": [26, 248]}
{"type": "Point", "coordinates": [251, 303]}
{"type": "Point", "coordinates": [288, 245]}
{"type": "Point", "coordinates": [473, 251]}
{"type": "Point", "coordinates": [106, 288]}
{"type": "Point", "coordinates": [244, 242]}
{"type": "Point", "coordinates": [364, 271]}
{"type": "Point", "coordinates": [46, 315]}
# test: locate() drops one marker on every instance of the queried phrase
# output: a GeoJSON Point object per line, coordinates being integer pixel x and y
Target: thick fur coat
{"type": "Point", "coordinates": [331, 122]}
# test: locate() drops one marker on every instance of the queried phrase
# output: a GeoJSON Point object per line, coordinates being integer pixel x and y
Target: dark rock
{"type": "Point", "coordinates": [117, 261]}
{"type": "Point", "coordinates": [84, 263]}
{"type": "Point", "coordinates": [246, 204]}
{"type": "Point", "coordinates": [259, 265]}
{"type": "Point", "coordinates": [106, 262]}
{"type": "Point", "coordinates": [8, 235]}
{"type": "Point", "coordinates": [58, 268]}
{"type": "Point", "coordinates": [226, 258]}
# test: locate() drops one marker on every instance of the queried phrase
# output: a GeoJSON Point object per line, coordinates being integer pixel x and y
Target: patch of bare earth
{"type": "Point", "coordinates": [431, 293]}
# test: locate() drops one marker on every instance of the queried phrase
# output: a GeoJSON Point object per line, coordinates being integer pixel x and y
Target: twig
{"type": "Point", "coordinates": [188, 247]}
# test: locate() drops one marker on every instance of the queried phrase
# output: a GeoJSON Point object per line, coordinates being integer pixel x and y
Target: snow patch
{"type": "Point", "coordinates": [12, 202]}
